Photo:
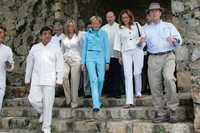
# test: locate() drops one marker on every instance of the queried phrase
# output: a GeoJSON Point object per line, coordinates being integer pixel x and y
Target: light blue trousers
{"type": "Point", "coordinates": [96, 71]}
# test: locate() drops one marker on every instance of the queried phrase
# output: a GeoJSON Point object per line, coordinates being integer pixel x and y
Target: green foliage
{"type": "Point", "coordinates": [2, 19]}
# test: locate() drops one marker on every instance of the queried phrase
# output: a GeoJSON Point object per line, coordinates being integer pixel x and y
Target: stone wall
{"type": "Point", "coordinates": [187, 19]}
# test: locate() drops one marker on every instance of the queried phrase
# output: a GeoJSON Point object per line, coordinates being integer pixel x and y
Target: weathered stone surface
{"type": "Point", "coordinates": [184, 80]}
{"type": "Point", "coordinates": [92, 126]}
{"type": "Point", "coordinates": [197, 116]}
{"type": "Point", "coordinates": [177, 6]}
{"type": "Point", "coordinates": [185, 99]}
{"type": "Point", "coordinates": [161, 128]}
{"type": "Point", "coordinates": [195, 94]}
{"type": "Point", "coordinates": [196, 54]}
{"type": "Point", "coordinates": [182, 53]}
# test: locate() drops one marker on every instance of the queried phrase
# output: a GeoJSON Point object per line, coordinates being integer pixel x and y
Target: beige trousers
{"type": "Point", "coordinates": [161, 70]}
{"type": "Point", "coordinates": [71, 84]}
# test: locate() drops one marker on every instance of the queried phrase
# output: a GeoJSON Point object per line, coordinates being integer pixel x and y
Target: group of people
{"type": "Point", "coordinates": [58, 61]}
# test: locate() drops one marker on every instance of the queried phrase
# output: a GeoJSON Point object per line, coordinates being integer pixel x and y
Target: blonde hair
{"type": "Point", "coordinates": [70, 21]}
{"type": "Point", "coordinates": [96, 18]}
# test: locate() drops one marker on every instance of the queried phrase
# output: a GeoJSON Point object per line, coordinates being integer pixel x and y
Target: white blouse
{"type": "Point", "coordinates": [128, 39]}
{"type": "Point", "coordinates": [71, 48]}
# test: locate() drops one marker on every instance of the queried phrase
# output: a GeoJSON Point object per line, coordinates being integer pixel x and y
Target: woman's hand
{"type": "Point", "coordinates": [107, 67]}
{"type": "Point", "coordinates": [83, 67]}
{"type": "Point", "coordinates": [120, 60]}
{"type": "Point", "coordinates": [142, 40]}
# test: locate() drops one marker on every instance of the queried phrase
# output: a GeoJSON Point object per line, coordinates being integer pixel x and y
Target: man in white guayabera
{"type": "Point", "coordinates": [44, 70]}
{"type": "Point", "coordinates": [6, 63]}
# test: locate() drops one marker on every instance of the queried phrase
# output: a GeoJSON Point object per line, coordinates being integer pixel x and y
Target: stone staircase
{"type": "Point", "coordinates": [20, 117]}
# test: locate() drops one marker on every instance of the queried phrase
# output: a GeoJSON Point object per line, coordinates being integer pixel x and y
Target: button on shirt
{"type": "Point", "coordinates": [44, 65]}
{"type": "Point", "coordinates": [156, 37]}
{"type": "Point", "coordinates": [71, 48]}
{"type": "Point", "coordinates": [5, 55]}
{"type": "Point", "coordinates": [128, 38]}
{"type": "Point", "coordinates": [111, 31]}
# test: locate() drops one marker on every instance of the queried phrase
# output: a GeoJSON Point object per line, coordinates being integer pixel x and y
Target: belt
{"type": "Point", "coordinates": [161, 53]}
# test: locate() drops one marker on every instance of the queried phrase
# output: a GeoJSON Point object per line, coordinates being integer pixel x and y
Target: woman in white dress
{"type": "Point", "coordinates": [130, 43]}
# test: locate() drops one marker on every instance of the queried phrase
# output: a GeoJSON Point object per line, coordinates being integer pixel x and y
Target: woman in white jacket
{"type": "Point", "coordinates": [130, 43]}
{"type": "Point", "coordinates": [71, 48]}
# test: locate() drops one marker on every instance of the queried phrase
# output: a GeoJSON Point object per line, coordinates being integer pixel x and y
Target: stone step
{"type": "Point", "coordinates": [35, 131]}
{"type": "Point", "coordinates": [185, 99]}
{"type": "Point", "coordinates": [97, 126]}
{"type": "Point", "coordinates": [111, 113]}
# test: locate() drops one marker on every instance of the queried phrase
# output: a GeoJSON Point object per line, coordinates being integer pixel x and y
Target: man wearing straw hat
{"type": "Point", "coordinates": [162, 39]}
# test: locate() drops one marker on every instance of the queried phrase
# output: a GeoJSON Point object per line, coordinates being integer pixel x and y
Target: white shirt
{"type": "Point", "coordinates": [57, 40]}
{"type": "Point", "coordinates": [156, 35]}
{"type": "Point", "coordinates": [5, 55]}
{"type": "Point", "coordinates": [111, 31]}
{"type": "Point", "coordinates": [128, 39]}
{"type": "Point", "coordinates": [71, 48]}
{"type": "Point", "coordinates": [44, 65]}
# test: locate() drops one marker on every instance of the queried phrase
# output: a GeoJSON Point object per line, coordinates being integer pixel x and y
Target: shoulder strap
{"type": "Point", "coordinates": [139, 33]}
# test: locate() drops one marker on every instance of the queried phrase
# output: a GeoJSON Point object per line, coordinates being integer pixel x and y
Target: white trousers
{"type": "Point", "coordinates": [42, 99]}
{"type": "Point", "coordinates": [132, 58]}
{"type": "Point", "coordinates": [2, 93]}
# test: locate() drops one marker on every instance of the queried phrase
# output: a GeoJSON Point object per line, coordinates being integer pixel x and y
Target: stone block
{"type": "Point", "coordinates": [184, 80]}
{"type": "Point", "coordinates": [197, 116]}
{"type": "Point", "coordinates": [182, 53]}
{"type": "Point", "coordinates": [177, 6]}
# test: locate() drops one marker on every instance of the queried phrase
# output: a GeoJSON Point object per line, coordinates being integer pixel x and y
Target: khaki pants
{"type": "Point", "coordinates": [71, 87]}
{"type": "Point", "coordinates": [161, 69]}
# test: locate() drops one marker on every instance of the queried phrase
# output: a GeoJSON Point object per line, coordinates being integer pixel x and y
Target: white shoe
{"type": "Point", "coordinates": [46, 131]}
{"type": "Point", "coordinates": [41, 118]}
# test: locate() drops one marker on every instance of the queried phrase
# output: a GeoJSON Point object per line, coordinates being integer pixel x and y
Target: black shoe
{"type": "Point", "coordinates": [117, 96]}
{"type": "Point", "coordinates": [96, 110]}
{"type": "Point", "coordinates": [160, 119]}
{"type": "Point", "coordinates": [87, 96]}
{"type": "Point", "coordinates": [101, 106]}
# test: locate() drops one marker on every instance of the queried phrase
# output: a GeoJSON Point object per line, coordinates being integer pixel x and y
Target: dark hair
{"type": "Point", "coordinates": [110, 11]}
{"type": "Point", "coordinates": [129, 13]}
{"type": "Point", "coordinates": [46, 28]}
{"type": "Point", "coordinates": [3, 28]}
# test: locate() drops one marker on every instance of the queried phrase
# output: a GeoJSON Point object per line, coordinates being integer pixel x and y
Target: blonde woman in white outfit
{"type": "Point", "coordinates": [71, 47]}
{"type": "Point", "coordinates": [130, 43]}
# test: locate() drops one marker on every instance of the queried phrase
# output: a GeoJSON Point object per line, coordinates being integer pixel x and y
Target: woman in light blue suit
{"type": "Point", "coordinates": [96, 57]}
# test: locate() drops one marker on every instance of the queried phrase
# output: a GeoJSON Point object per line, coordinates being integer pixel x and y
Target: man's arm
{"type": "Point", "coordinates": [175, 36]}
{"type": "Point", "coordinates": [29, 67]}
{"type": "Point", "coordinates": [10, 61]}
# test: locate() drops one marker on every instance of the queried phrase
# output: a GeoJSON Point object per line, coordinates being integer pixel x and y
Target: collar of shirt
{"type": "Point", "coordinates": [45, 46]}
{"type": "Point", "coordinates": [124, 27]}
{"type": "Point", "coordinates": [73, 37]}
{"type": "Point", "coordinates": [95, 32]}
{"type": "Point", "coordinates": [156, 23]}
{"type": "Point", "coordinates": [112, 25]}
